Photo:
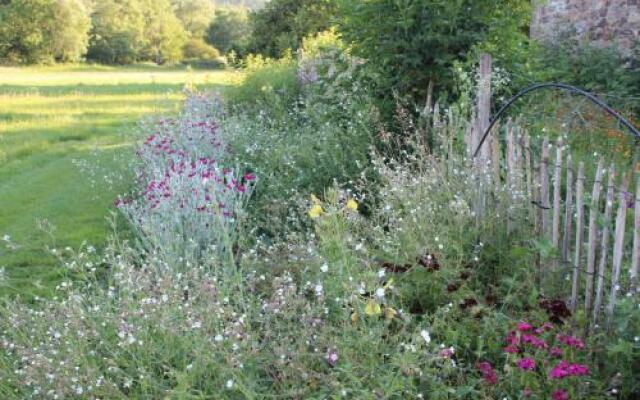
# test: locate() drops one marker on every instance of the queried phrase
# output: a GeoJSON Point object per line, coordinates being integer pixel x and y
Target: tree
{"type": "Point", "coordinates": [195, 15]}
{"type": "Point", "coordinates": [410, 43]}
{"type": "Point", "coordinates": [41, 31]}
{"type": "Point", "coordinates": [69, 33]}
{"type": "Point", "coordinates": [117, 35]}
{"type": "Point", "coordinates": [229, 30]}
{"type": "Point", "coordinates": [127, 31]}
{"type": "Point", "coordinates": [164, 32]}
{"type": "Point", "coordinates": [282, 24]}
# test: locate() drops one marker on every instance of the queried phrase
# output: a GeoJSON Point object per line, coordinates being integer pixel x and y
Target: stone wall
{"type": "Point", "coordinates": [602, 22]}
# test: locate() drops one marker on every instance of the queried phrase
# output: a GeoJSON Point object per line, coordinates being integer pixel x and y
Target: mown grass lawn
{"type": "Point", "coordinates": [65, 143]}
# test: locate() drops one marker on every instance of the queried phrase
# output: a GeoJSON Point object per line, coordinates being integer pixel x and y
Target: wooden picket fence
{"type": "Point", "coordinates": [593, 224]}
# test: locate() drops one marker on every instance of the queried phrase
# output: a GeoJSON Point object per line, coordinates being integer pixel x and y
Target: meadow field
{"type": "Point", "coordinates": [65, 145]}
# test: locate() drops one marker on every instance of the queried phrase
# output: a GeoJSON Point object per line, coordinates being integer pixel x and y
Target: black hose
{"type": "Point", "coordinates": [563, 86]}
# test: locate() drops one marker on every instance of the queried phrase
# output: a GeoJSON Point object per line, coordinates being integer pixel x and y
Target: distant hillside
{"type": "Point", "coordinates": [253, 4]}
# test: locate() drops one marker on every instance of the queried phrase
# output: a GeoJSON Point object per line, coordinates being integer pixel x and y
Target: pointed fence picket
{"type": "Point", "coordinates": [564, 207]}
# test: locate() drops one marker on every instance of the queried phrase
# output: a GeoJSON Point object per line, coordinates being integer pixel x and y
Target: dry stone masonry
{"type": "Point", "coordinates": [601, 22]}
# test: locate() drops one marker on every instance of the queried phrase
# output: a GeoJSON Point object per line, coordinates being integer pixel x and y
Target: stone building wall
{"type": "Point", "coordinates": [601, 22]}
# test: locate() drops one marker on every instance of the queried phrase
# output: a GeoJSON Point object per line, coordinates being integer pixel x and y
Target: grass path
{"type": "Point", "coordinates": [65, 143]}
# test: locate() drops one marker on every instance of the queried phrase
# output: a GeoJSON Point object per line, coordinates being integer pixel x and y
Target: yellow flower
{"type": "Point", "coordinates": [390, 313]}
{"type": "Point", "coordinates": [372, 308]}
{"type": "Point", "coordinates": [352, 205]}
{"type": "Point", "coordinates": [315, 200]}
{"type": "Point", "coordinates": [316, 211]}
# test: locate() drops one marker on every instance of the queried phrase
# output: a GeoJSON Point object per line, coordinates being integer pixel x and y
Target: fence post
{"type": "Point", "coordinates": [579, 233]}
{"type": "Point", "coordinates": [544, 188]}
{"type": "Point", "coordinates": [557, 184]}
{"type": "Point", "coordinates": [618, 248]}
{"type": "Point", "coordinates": [604, 248]}
{"type": "Point", "coordinates": [591, 247]}
{"type": "Point", "coordinates": [484, 107]}
{"type": "Point", "coordinates": [568, 213]}
{"type": "Point", "coordinates": [633, 272]}
{"type": "Point", "coordinates": [529, 177]}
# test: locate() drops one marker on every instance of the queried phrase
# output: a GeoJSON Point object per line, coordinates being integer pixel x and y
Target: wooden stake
{"type": "Point", "coordinates": [633, 272]}
{"type": "Point", "coordinates": [484, 104]}
{"type": "Point", "coordinates": [594, 211]}
{"type": "Point", "coordinates": [579, 229]}
{"type": "Point", "coordinates": [528, 169]}
{"type": "Point", "coordinates": [557, 184]}
{"type": "Point", "coordinates": [618, 249]}
{"type": "Point", "coordinates": [544, 188]}
{"type": "Point", "coordinates": [568, 213]}
{"type": "Point", "coordinates": [604, 248]}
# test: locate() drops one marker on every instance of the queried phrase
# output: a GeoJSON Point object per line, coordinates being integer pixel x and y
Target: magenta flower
{"type": "Point", "coordinates": [534, 341]}
{"type": "Point", "coordinates": [524, 326]}
{"type": "Point", "coordinates": [556, 352]}
{"type": "Point", "coordinates": [564, 369]}
{"type": "Point", "coordinates": [560, 394]}
{"type": "Point", "coordinates": [527, 364]}
{"type": "Point", "coordinates": [488, 373]}
{"type": "Point", "coordinates": [249, 177]}
{"type": "Point", "coordinates": [447, 353]}
{"type": "Point", "coordinates": [511, 349]}
{"type": "Point", "coordinates": [332, 357]}
{"type": "Point", "coordinates": [571, 341]}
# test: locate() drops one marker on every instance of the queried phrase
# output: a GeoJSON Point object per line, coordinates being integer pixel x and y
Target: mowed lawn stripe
{"type": "Point", "coordinates": [66, 137]}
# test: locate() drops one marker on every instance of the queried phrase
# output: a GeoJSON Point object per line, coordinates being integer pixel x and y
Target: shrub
{"type": "Point", "coordinates": [282, 24]}
{"type": "Point", "coordinates": [198, 49]}
{"type": "Point", "coordinates": [229, 30]}
{"type": "Point", "coordinates": [409, 44]}
{"type": "Point", "coordinates": [269, 83]}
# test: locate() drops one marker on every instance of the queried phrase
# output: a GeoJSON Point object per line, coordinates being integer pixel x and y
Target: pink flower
{"type": "Point", "coordinates": [571, 341]}
{"type": "Point", "coordinates": [527, 392]}
{"type": "Point", "coordinates": [534, 341]}
{"type": "Point", "coordinates": [560, 394]}
{"type": "Point", "coordinates": [511, 349]}
{"type": "Point", "coordinates": [564, 369]}
{"type": "Point", "coordinates": [527, 364]}
{"type": "Point", "coordinates": [524, 326]}
{"type": "Point", "coordinates": [556, 352]}
{"type": "Point", "coordinates": [249, 177]}
{"type": "Point", "coordinates": [488, 373]}
{"type": "Point", "coordinates": [332, 357]}
{"type": "Point", "coordinates": [578, 370]}
{"type": "Point", "coordinates": [447, 353]}
{"type": "Point", "coordinates": [560, 370]}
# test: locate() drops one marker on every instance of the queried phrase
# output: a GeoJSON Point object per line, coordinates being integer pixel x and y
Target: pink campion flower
{"type": "Point", "coordinates": [527, 364]}
{"type": "Point", "coordinates": [332, 357]}
{"type": "Point", "coordinates": [249, 177]}
{"type": "Point", "coordinates": [560, 370]}
{"type": "Point", "coordinates": [524, 326]}
{"type": "Point", "coordinates": [513, 339]}
{"type": "Point", "coordinates": [511, 349]}
{"type": "Point", "coordinates": [547, 326]}
{"type": "Point", "coordinates": [527, 392]}
{"type": "Point", "coordinates": [560, 394]}
{"type": "Point", "coordinates": [488, 373]}
{"type": "Point", "coordinates": [578, 370]}
{"type": "Point", "coordinates": [534, 341]}
{"type": "Point", "coordinates": [564, 369]}
{"type": "Point", "coordinates": [571, 341]}
{"type": "Point", "coordinates": [447, 353]}
{"type": "Point", "coordinates": [556, 352]}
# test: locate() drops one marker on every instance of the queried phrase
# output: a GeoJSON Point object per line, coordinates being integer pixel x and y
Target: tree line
{"type": "Point", "coordinates": [122, 31]}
